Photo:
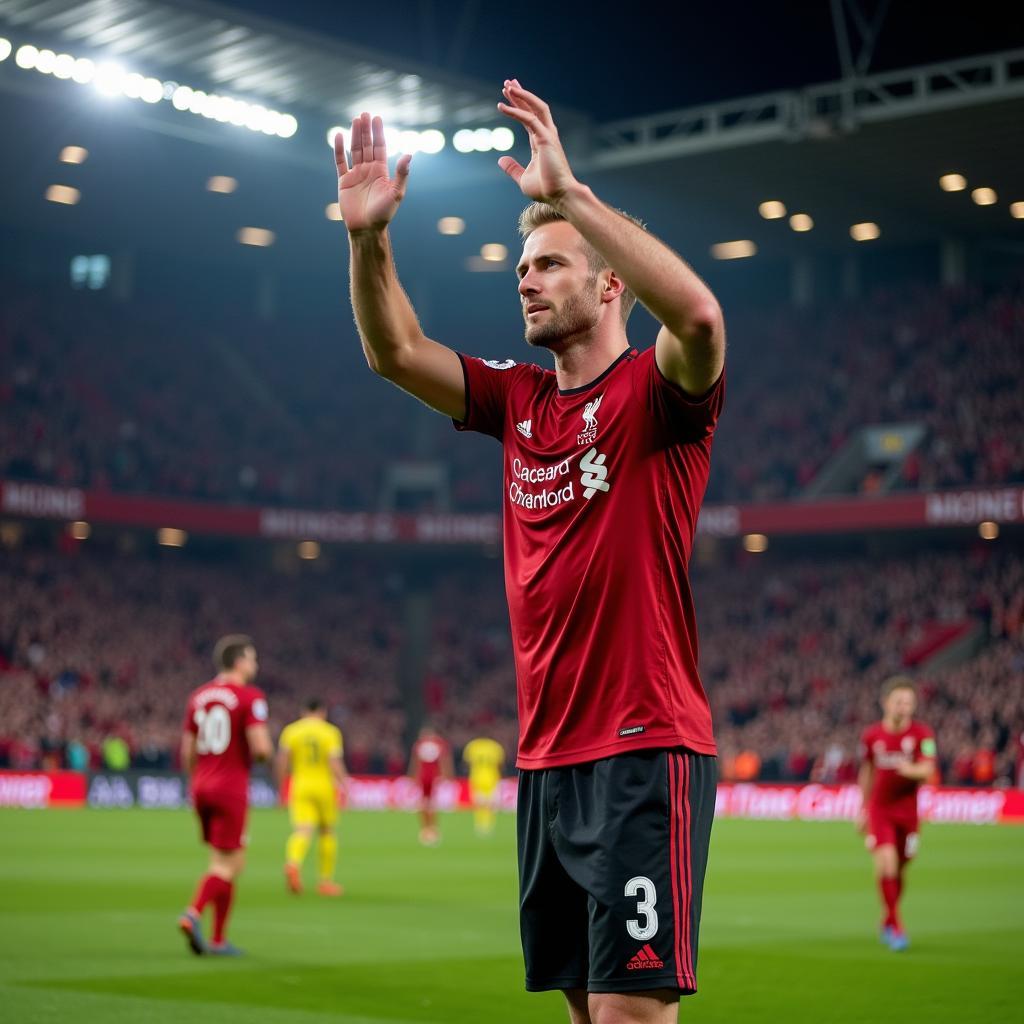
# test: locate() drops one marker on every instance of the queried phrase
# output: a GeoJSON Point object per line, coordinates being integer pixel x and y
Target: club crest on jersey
{"type": "Point", "coordinates": [589, 433]}
{"type": "Point", "coordinates": [500, 364]}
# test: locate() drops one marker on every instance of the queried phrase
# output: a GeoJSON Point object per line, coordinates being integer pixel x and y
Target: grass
{"type": "Point", "coordinates": [88, 901]}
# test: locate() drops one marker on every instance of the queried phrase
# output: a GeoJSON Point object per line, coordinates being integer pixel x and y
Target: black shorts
{"type": "Point", "coordinates": [611, 870]}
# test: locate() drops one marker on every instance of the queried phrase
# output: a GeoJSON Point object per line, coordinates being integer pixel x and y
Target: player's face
{"type": "Point", "coordinates": [248, 665]}
{"type": "Point", "coordinates": [558, 291]}
{"type": "Point", "coordinates": [900, 704]}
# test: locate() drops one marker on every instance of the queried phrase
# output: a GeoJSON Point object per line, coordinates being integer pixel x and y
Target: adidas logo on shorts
{"type": "Point", "coordinates": [645, 960]}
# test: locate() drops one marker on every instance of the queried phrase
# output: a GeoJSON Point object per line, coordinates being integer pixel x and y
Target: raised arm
{"type": "Point", "coordinates": [690, 349]}
{"type": "Point", "coordinates": [393, 341]}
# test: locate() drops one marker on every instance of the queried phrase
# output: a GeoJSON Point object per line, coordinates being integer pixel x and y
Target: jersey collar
{"type": "Point", "coordinates": [600, 377]}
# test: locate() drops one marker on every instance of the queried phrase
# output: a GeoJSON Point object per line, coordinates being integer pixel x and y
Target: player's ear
{"type": "Point", "coordinates": [612, 285]}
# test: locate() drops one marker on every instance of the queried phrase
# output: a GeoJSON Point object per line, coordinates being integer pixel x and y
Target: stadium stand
{"type": "Point", "coordinates": [193, 414]}
{"type": "Point", "coordinates": [96, 648]}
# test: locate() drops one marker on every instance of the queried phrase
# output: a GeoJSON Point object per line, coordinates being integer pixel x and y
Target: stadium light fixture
{"type": "Point", "coordinates": [73, 155]}
{"type": "Point", "coordinates": [985, 196]}
{"type": "Point", "coordinates": [503, 139]}
{"type": "Point", "coordinates": [988, 530]}
{"type": "Point", "coordinates": [952, 183]}
{"type": "Point", "coordinates": [1017, 210]}
{"type": "Point", "coordinates": [462, 140]}
{"type": "Point", "coordinates": [401, 140]}
{"type": "Point", "coordinates": [79, 530]}
{"type": "Point", "coordinates": [5, 48]}
{"type": "Point", "coordinates": [63, 194]}
{"type": "Point", "coordinates": [772, 209]}
{"type": "Point", "coordinates": [309, 550]}
{"type": "Point", "coordinates": [451, 225]}
{"type": "Point", "coordinates": [494, 252]}
{"type": "Point", "coordinates": [755, 543]}
{"type": "Point", "coordinates": [865, 232]}
{"type": "Point", "coordinates": [26, 57]}
{"type": "Point", "coordinates": [83, 71]}
{"type": "Point", "coordinates": [260, 237]}
{"type": "Point", "coordinates": [801, 222]}
{"type": "Point", "coordinates": [222, 183]}
{"type": "Point", "coordinates": [333, 212]}
{"type": "Point", "coordinates": [169, 537]}
{"type": "Point", "coordinates": [45, 62]}
{"type": "Point", "coordinates": [431, 141]}
{"type": "Point", "coordinates": [112, 80]}
{"type": "Point", "coordinates": [738, 250]}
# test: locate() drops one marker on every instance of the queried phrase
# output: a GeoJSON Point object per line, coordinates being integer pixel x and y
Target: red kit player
{"type": "Point", "coordinates": [225, 730]}
{"type": "Point", "coordinates": [897, 755]}
{"type": "Point", "coordinates": [431, 760]}
{"type": "Point", "coordinates": [606, 459]}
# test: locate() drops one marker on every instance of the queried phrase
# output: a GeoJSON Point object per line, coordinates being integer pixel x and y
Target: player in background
{"type": "Point", "coordinates": [485, 758]}
{"type": "Point", "coordinates": [897, 755]}
{"type": "Point", "coordinates": [225, 730]}
{"type": "Point", "coordinates": [430, 761]}
{"type": "Point", "coordinates": [311, 750]}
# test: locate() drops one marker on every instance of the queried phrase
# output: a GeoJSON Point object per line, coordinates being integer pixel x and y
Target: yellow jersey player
{"type": "Point", "coordinates": [311, 750]}
{"type": "Point", "coordinates": [485, 758]}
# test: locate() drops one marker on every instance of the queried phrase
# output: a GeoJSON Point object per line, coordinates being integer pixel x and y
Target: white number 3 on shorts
{"type": "Point", "coordinates": [642, 886]}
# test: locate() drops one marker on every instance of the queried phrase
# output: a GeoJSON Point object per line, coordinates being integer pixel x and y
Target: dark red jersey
{"type": "Point", "coordinates": [429, 754]}
{"type": "Point", "coordinates": [218, 714]}
{"type": "Point", "coordinates": [602, 488]}
{"type": "Point", "coordinates": [891, 794]}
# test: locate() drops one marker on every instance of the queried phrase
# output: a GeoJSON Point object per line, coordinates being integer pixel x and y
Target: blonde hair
{"type": "Point", "coordinates": [898, 683]}
{"type": "Point", "coordinates": [538, 214]}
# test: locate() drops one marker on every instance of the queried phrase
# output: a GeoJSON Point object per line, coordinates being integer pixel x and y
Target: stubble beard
{"type": "Point", "coordinates": [577, 319]}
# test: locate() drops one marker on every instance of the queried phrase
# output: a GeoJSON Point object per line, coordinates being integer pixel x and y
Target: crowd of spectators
{"type": "Point", "coordinates": [801, 384]}
{"type": "Point", "coordinates": [164, 402]}
{"type": "Point", "coordinates": [98, 653]}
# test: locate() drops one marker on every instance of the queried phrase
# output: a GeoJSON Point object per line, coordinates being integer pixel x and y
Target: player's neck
{"type": "Point", "coordinates": [230, 679]}
{"type": "Point", "coordinates": [895, 724]}
{"type": "Point", "coordinates": [579, 363]}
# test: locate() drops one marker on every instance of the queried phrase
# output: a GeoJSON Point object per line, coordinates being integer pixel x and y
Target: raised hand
{"type": "Point", "coordinates": [368, 197]}
{"type": "Point", "coordinates": [548, 175]}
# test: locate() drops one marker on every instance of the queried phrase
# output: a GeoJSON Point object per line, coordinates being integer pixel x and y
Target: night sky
{"type": "Point", "coordinates": [614, 60]}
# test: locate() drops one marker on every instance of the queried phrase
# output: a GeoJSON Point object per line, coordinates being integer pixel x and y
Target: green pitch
{"type": "Point", "coordinates": [88, 901]}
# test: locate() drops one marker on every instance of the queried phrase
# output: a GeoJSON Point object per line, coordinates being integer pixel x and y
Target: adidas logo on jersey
{"type": "Point", "coordinates": [525, 428]}
{"type": "Point", "coordinates": [645, 960]}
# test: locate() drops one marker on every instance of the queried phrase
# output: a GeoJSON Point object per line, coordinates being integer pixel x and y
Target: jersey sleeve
{"type": "Point", "coordinates": [257, 712]}
{"type": "Point", "coordinates": [488, 382]}
{"type": "Point", "coordinates": [686, 418]}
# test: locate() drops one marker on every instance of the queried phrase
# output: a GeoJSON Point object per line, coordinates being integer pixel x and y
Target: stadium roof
{"type": "Point", "coordinates": [248, 55]}
{"type": "Point", "coordinates": [843, 155]}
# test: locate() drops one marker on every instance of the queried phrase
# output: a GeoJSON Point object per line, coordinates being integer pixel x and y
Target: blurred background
{"type": "Point", "coordinates": [191, 443]}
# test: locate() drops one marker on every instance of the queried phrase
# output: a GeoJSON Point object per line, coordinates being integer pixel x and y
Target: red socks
{"type": "Point", "coordinates": [206, 892]}
{"type": "Point", "coordinates": [891, 896]}
{"type": "Point", "coordinates": [221, 909]}
{"type": "Point", "coordinates": [220, 893]}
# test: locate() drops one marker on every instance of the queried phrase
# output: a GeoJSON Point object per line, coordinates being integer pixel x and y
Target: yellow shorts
{"type": "Point", "coordinates": [483, 788]}
{"type": "Point", "coordinates": [313, 806]}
